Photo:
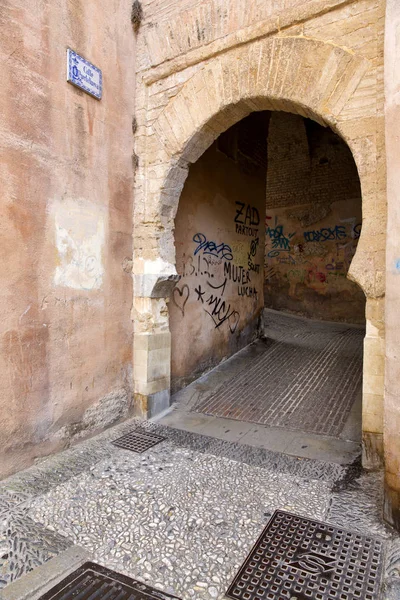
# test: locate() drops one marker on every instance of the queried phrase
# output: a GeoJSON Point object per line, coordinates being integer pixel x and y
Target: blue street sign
{"type": "Point", "coordinates": [84, 74]}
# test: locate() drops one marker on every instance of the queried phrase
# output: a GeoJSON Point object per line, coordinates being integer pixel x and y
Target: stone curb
{"type": "Point", "coordinates": [39, 581]}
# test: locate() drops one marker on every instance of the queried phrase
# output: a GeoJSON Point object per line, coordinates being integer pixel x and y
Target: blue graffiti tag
{"type": "Point", "coordinates": [218, 250]}
{"type": "Point", "coordinates": [280, 241]}
{"type": "Point", "coordinates": [338, 232]}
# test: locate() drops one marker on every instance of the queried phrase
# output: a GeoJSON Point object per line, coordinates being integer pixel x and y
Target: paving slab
{"type": "Point", "coordinates": [325, 360]}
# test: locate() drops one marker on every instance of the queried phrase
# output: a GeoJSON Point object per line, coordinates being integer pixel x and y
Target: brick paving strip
{"type": "Point", "coordinates": [306, 379]}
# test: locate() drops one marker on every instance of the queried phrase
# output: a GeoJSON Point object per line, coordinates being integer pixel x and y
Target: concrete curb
{"type": "Point", "coordinates": [39, 581]}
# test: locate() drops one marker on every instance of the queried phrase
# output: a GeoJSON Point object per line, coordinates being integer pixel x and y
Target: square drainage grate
{"type": "Point", "coordinates": [94, 582]}
{"type": "Point", "coordinates": [300, 559]}
{"type": "Point", "coordinates": [138, 441]}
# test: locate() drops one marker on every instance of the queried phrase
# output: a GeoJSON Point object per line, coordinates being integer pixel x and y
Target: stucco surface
{"type": "Point", "coordinates": [215, 306]}
{"type": "Point", "coordinates": [66, 179]}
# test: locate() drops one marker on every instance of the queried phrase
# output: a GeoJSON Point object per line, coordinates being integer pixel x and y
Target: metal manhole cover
{"type": "Point", "coordinates": [300, 559]}
{"type": "Point", "coordinates": [94, 582]}
{"type": "Point", "coordinates": [138, 441]}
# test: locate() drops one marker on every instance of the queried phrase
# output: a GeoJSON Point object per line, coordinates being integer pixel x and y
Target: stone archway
{"type": "Point", "coordinates": [294, 74]}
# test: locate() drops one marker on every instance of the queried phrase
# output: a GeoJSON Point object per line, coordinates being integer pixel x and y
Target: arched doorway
{"type": "Point", "coordinates": [307, 77]}
{"type": "Point", "coordinates": [280, 189]}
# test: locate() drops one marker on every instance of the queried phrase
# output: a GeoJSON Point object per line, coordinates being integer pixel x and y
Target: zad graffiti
{"type": "Point", "coordinates": [247, 217]}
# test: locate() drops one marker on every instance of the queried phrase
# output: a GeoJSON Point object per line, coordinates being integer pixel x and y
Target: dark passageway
{"type": "Point", "coordinates": [268, 223]}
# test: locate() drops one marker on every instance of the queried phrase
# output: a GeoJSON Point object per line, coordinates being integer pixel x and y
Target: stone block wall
{"type": "Point", "coordinates": [322, 60]}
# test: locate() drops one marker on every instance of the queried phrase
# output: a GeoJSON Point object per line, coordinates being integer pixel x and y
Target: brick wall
{"type": "Point", "coordinates": [313, 221]}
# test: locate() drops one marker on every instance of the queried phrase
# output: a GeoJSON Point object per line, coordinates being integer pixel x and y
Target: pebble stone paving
{"type": "Point", "coordinates": [183, 516]}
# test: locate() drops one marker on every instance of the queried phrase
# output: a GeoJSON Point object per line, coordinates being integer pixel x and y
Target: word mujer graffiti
{"type": "Point", "coordinates": [236, 274]}
{"type": "Point", "coordinates": [208, 247]}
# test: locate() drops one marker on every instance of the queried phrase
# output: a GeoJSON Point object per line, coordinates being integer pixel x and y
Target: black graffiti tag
{"type": "Point", "coordinates": [180, 297]}
{"type": "Point", "coordinates": [219, 310]}
{"type": "Point", "coordinates": [249, 217]}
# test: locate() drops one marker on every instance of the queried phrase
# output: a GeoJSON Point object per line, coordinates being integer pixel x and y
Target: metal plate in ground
{"type": "Point", "coordinates": [138, 440]}
{"type": "Point", "coordinates": [300, 559]}
{"type": "Point", "coordinates": [94, 582]}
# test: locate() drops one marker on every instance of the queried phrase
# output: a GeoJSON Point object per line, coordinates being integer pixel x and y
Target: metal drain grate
{"type": "Point", "coordinates": [138, 441]}
{"type": "Point", "coordinates": [94, 582]}
{"type": "Point", "coordinates": [299, 559]}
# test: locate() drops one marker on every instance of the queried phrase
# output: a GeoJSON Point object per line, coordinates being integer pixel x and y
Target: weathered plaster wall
{"type": "Point", "coordinates": [313, 222]}
{"type": "Point", "coordinates": [66, 227]}
{"type": "Point", "coordinates": [215, 307]}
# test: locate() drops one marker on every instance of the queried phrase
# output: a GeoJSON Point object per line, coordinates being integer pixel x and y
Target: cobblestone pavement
{"type": "Point", "coordinates": [182, 516]}
{"type": "Point", "coordinates": [307, 378]}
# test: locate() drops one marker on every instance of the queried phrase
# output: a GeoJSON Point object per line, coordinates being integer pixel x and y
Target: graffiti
{"type": "Point", "coordinates": [218, 287]}
{"type": "Point", "coordinates": [246, 218]}
{"type": "Point", "coordinates": [253, 251]}
{"type": "Point", "coordinates": [244, 230]}
{"type": "Point", "coordinates": [286, 260]}
{"type": "Point", "coordinates": [213, 267]}
{"type": "Point", "coordinates": [219, 311]}
{"type": "Point", "coordinates": [280, 241]}
{"type": "Point", "coordinates": [356, 231]}
{"type": "Point", "coordinates": [335, 266]}
{"type": "Point", "coordinates": [275, 233]}
{"type": "Point", "coordinates": [250, 217]}
{"type": "Point", "coordinates": [326, 234]}
{"type": "Point", "coordinates": [269, 272]}
{"type": "Point", "coordinates": [217, 250]}
{"type": "Point", "coordinates": [303, 251]}
{"type": "Point", "coordinates": [253, 247]}
{"type": "Point", "coordinates": [248, 291]}
{"type": "Point", "coordinates": [296, 275]}
{"type": "Point", "coordinates": [254, 267]}
{"type": "Point", "coordinates": [180, 297]}
{"type": "Point", "coordinates": [316, 276]}
{"type": "Point", "coordinates": [200, 267]}
{"type": "Point", "coordinates": [236, 273]}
